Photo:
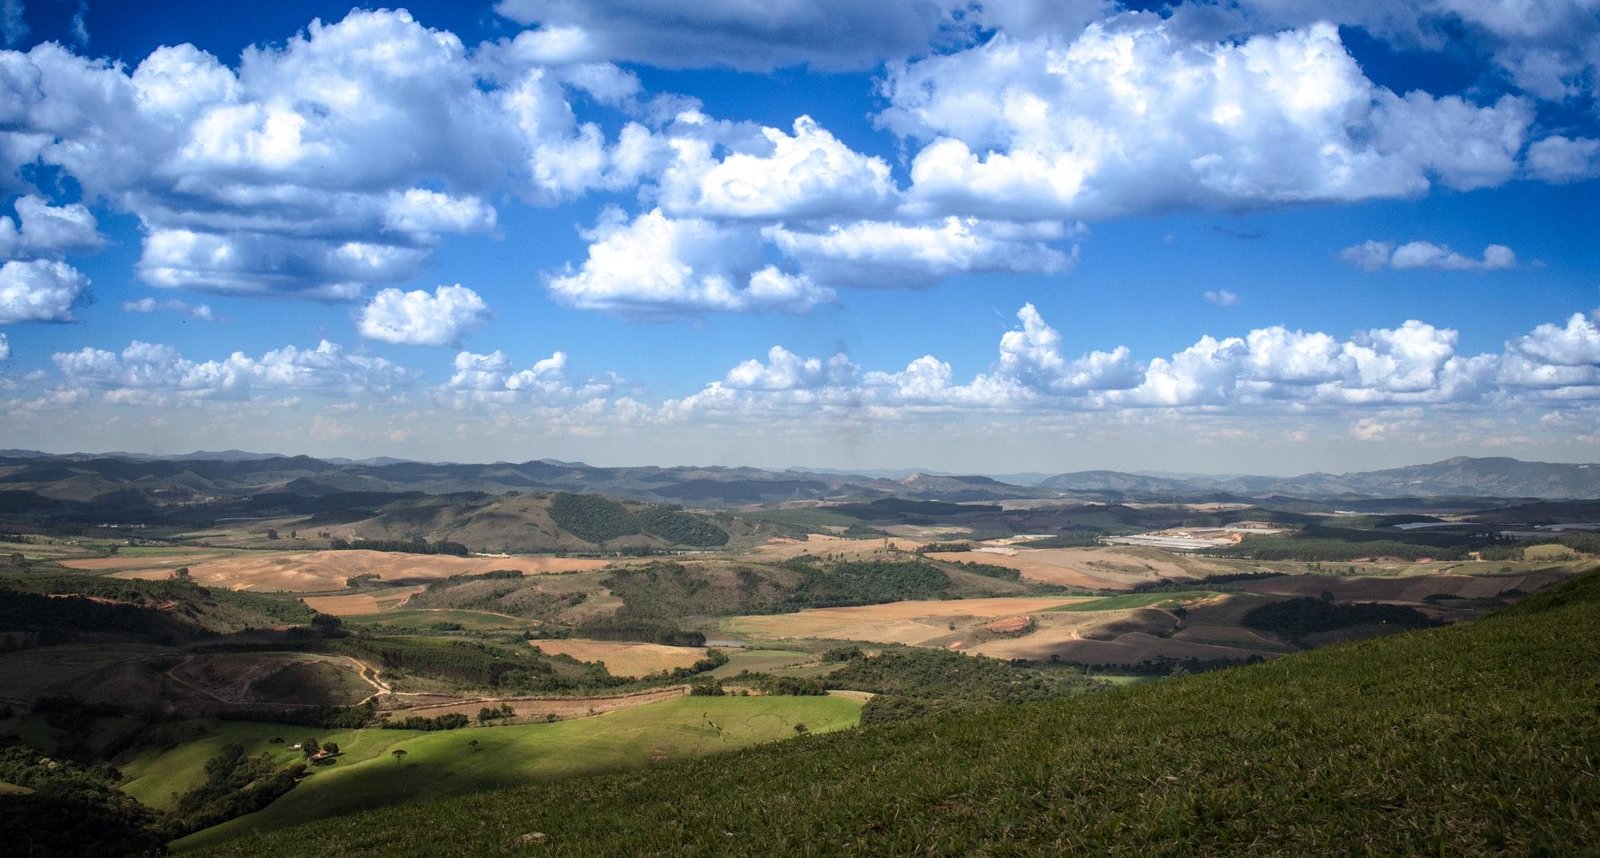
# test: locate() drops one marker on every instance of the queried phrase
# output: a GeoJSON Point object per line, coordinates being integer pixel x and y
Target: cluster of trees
{"type": "Point", "coordinates": [416, 545]}
{"type": "Point", "coordinates": [634, 629]}
{"type": "Point", "coordinates": [789, 686]}
{"type": "Point", "coordinates": [1306, 616]}
{"type": "Point", "coordinates": [714, 659]}
{"type": "Point", "coordinates": [909, 682]}
{"type": "Point", "coordinates": [504, 710]}
{"type": "Point", "coordinates": [707, 686]}
{"type": "Point", "coordinates": [1343, 544]}
{"type": "Point", "coordinates": [866, 583]}
{"type": "Point", "coordinates": [71, 809]}
{"type": "Point", "coordinates": [991, 570]}
{"type": "Point", "coordinates": [1583, 543]}
{"type": "Point", "coordinates": [476, 664]}
{"type": "Point", "coordinates": [597, 519]}
{"type": "Point", "coordinates": [944, 547]}
{"type": "Point", "coordinates": [235, 784]}
{"type": "Point", "coordinates": [324, 717]}
{"type": "Point", "coordinates": [447, 721]}
{"type": "Point", "coordinates": [1088, 538]}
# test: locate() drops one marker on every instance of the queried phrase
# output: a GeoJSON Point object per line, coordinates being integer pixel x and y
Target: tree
{"type": "Point", "coordinates": [801, 729]}
{"type": "Point", "coordinates": [272, 533]}
{"type": "Point", "coordinates": [474, 746]}
{"type": "Point", "coordinates": [398, 754]}
{"type": "Point", "coordinates": [309, 747]}
{"type": "Point", "coordinates": [181, 573]}
{"type": "Point", "coordinates": [331, 749]}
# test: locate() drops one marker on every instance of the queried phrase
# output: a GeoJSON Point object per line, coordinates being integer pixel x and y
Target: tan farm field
{"type": "Point", "coordinates": [319, 571]}
{"type": "Point", "coordinates": [361, 604]}
{"type": "Point", "coordinates": [915, 623]}
{"type": "Point", "coordinates": [624, 659]}
{"type": "Point", "coordinates": [819, 543]}
{"type": "Point", "coordinates": [1094, 568]}
{"type": "Point", "coordinates": [156, 565]}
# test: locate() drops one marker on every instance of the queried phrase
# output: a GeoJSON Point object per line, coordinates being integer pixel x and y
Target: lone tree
{"type": "Point", "coordinates": [398, 754]}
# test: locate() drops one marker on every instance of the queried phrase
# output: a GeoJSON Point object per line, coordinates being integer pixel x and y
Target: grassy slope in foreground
{"type": "Point", "coordinates": [1463, 740]}
{"type": "Point", "coordinates": [442, 764]}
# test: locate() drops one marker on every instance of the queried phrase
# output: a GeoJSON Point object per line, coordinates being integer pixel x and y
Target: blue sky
{"type": "Point", "coordinates": [1262, 236]}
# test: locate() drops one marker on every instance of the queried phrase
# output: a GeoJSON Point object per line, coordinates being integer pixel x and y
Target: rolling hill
{"type": "Point", "coordinates": [1473, 739]}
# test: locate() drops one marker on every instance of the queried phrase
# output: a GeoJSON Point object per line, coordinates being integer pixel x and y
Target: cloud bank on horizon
{"type": "Point", "coordinates": [602, 229]}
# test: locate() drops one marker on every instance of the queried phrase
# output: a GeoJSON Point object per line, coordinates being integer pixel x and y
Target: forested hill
{"type": "Point", "coordinates": [1461, 476]}
{"type": "Point", "coordinates": [179, 480]}
{"type": "Point", "coordinates": [1468, 740]}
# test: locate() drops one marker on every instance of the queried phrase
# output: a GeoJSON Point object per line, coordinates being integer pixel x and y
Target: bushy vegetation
{"type": "Point", "coordinates": [788, 686]}
{"type": "Point", "coordinates": [1307, 616]}
{"type": "Point", "coordinates": [991, 570]}
{"type": "Point", "coordinates": [944, 547]}
{"type": "Point", "coordinates": [910, 682]}
{"type": "Point", "coordinates": [627, 628]}
{"type": "Point", "coordinates": [592, 518]}
{"type": "Point", "coordinates": [1081, 539]}
{"type": "Point", "coordinates": [411, 546]}
{"type": "Point", "coordinates": [681, 528]}
{"type": "Point", "coordinates": [235, 784]}
{"type": "Point", "coordinates": [69, 809]}
{"type": "Point", "coordinates": [59, 620]}
{"type": "Point", "coordinates": [1469, 740]}
{"type": "Point", "coordinates": [1342, 544]}
{"type": "Point", "coordinates": [447, 721]}
{"type": "Point", "coordinates": [475, 664]}
{"type": "Point", "coordinates": [668, 590]}
{"type": "Point", "coordinates": [325, 717]}
{"type": "Point", "coordinates": [870, 582]}
{"type": "Point", "coordinates": [597, 519]}
{"type": "Point", "coordinates": [159, 610]}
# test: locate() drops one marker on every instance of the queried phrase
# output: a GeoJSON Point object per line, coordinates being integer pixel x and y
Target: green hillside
{"type": "Point", "coordinates": [1472, 739]}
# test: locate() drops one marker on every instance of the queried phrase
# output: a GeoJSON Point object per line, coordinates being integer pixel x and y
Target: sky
{"type": "Point", "coordinates": [1261, 236]}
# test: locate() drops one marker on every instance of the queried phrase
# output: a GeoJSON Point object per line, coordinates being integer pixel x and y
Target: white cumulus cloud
{"type": "Point", "coordinates": [40, 291]}
{"type": "Point", "coordinates": [1132, 116]}
{"type": "Point", "coordinates": [151, 372]}
{"type": "Point", "coordinates": [826, 34]}
{"type": "Point", "coordinates": [658, 267]}
{"type": "Point", "coordinates": [892, 254]}
{"type": "Point", "coordinates": [808, 174]}
{"type": "Point", "coordinates": [322, 166]}
{"type": "Point", "coordinates": [785, 370]}
{"type": "Point", "coordinates": [1378, 255]}
{"type": "Point", "coordinates": [45, 230]}
{"type": "Point", "coordinates": [199, 312]}
{"type": "Point", "coordinates": [420, 318]}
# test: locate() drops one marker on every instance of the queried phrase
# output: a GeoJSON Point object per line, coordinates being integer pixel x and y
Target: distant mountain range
{"type": "Point", "coordinates": [1460, 476]}
{"type": "Point", "coordinates": [234, 473]}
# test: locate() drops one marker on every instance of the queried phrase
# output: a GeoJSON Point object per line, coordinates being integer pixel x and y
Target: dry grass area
{"type": "Point", "coordinates": [361, 604]}
{"type": "Point", "coordinates": [1411, 588]}
{"type": "Point", "coordinates": [624, 659]}
{"type": "Point", "coordinates": [541, 707]}
{"type": "Point", "coordinates": [314, 571]}
{"type": "Point", "coordinates": [1095, 568]}
{"type": "Point", "coordinates": [163, 563]}
{"type": "Point", "coordinates": [916, 623]}
{"type": "Point", "coordinates": [817, 543]}
{"type": "Point", "coordinates": [32, 673]}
